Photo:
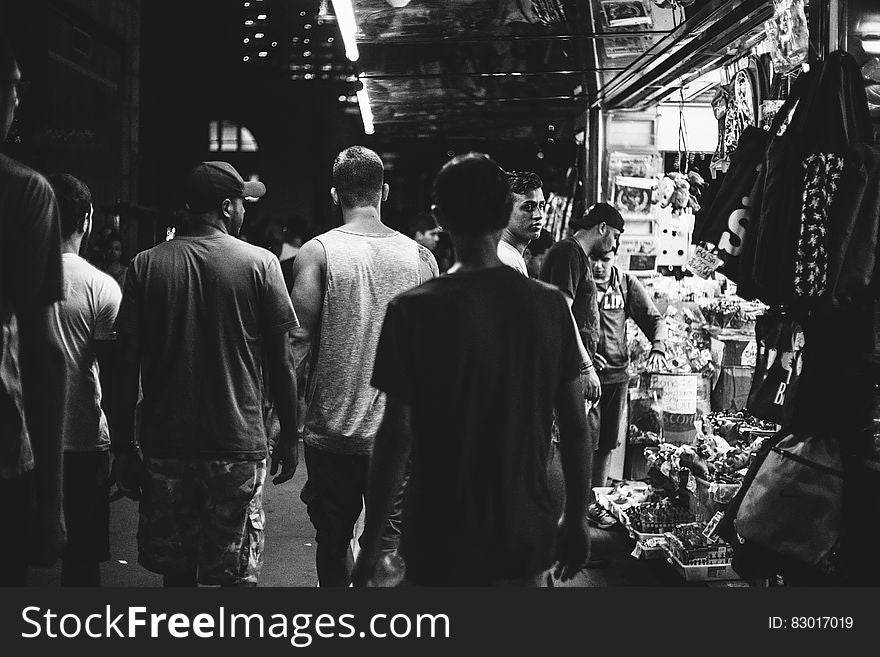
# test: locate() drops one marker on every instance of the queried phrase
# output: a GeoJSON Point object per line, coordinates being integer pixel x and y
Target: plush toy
{"type": "Point", "coordinates": [663, 192]}
{"type": "Point", "coordinates": [679, 190]}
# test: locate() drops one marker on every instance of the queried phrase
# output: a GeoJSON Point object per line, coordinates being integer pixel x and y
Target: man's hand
{"type": "Point", "coordinates": [592, 387]}
{"type": "Point", "coordinates": [599, 362]}
{"type": "Point", "coordinates": [572, 549]}
{"type": "Point", "coordinates": [285, 456]}
{"type": "Point", "coordinates": [364, 568]}
{"type": "Point", "coordinates": [128, 472]}
{"type": "Point", "coordinates": [656, 362]}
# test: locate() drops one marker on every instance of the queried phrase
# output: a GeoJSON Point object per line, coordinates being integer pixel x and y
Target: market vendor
{"type": "Point", "coordinates": [620, 296]}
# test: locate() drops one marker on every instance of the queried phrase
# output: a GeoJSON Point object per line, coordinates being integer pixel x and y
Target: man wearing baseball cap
{"type": "Point", "coordinates": [567, 266]}
{"type": "Point", "coordinates": [200, 315]}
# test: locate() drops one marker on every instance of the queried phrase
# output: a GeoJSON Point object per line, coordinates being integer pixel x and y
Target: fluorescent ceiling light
{"type": "Point", "coordinates": [366, 112]}
{"type": "Point", "coordinates": [871, 46]}
{"type": "Point", "coordinates": [347, 26]}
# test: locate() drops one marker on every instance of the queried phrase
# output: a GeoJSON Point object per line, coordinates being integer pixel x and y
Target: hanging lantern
{"type": "Point", "coordinates": [397, 4]}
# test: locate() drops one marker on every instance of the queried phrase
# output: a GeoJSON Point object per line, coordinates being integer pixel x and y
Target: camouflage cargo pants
{"type": "Point", "coordinates": [203, 512]}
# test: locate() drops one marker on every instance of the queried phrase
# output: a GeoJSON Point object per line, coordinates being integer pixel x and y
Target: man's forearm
{"type": "Point", "coordinates": [282, 382]}
{"type": "Point", "coordinates": [387, 469]}
{"type": "Point", "coordinates": [575, 451]}
{"type": "Point", "coordinates": [577, 466]}
{"type": "Point", "coordinates": [43, 383]}
{"type": "Point", "coordinates": [301, 347]}
{"type": "Point", "coordinates": [582, 349]}
{"type": "Point", "coordinates": [105, 354]}
{"type": "Point", "coordinates": [125, 398]}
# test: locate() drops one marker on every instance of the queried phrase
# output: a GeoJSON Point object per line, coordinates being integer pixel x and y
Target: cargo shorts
{"type": "Point", "coordinates": [203, 512]}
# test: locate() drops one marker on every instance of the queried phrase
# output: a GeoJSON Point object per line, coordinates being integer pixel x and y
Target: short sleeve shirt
{"type": "Point", "coordinates": [511, 257]}
{"type": "Point", "coordinates": [30, 278]}
{"type": "Point", "coordinates": [501, 347]}
{"type": "Point", "coordinates": [567, 267]}
{"type": "Point", "coordinates": [86, 315]}
{"type": "Point", "coordinates": [198, 309]}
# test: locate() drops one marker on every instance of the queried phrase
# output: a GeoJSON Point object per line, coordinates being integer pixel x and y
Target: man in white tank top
{"type": "Point", "coordinates": [342, 283]}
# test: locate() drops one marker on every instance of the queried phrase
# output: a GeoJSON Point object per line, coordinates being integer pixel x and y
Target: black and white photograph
{"type": "Point", "coordinates": [299, 297]}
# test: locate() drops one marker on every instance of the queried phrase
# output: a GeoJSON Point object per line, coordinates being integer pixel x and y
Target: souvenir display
{"type": "Point", "coordinates": [788, 35]}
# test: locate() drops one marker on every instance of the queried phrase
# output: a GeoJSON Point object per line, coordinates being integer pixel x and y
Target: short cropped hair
{"type": "Point", "coordinates": [74, 201]}
{"type": "Point", "coordinates": [358, 176]}
{"type": "Point", "coordinates": [523, 182]}
{"type": "Point", "coordinates": [470, 192]}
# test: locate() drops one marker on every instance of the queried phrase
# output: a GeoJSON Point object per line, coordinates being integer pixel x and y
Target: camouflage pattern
{"type": "Point", "coordinates": [203, 511]}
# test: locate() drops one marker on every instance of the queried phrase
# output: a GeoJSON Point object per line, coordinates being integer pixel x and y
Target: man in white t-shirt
{"type": "Point", "coordinates": [526, 218]}
{"type": "Point", "coordinates": [83, 321]}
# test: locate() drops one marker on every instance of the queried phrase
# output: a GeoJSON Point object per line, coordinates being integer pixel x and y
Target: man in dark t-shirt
{"type": "Point", "coordinates": [567, 266]}
{"type": "Point", "coordinates": [478, 507]}
{"type": "Point", "coordinates": [31, 362]}
{"type": "Point", "coordinates": [200, 314]}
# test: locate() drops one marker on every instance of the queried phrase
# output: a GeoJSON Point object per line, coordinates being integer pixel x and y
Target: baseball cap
{"type": "Point", "coordinates": [211, 182]}
{"type": "Point", "coordinates": [596, 215]}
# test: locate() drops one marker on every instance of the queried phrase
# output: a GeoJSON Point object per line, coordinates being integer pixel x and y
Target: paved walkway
{"type": "Point", "coordinates": [290, 549]}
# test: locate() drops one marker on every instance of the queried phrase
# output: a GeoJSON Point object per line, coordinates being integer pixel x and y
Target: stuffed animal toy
{"type": "Point", "coordinates": [663, 192]}
{"type": "Point", "coordinates": [679, 190]}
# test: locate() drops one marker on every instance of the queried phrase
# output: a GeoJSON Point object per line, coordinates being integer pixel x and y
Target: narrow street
{"type": "Point", "coordinates": [290, 550]}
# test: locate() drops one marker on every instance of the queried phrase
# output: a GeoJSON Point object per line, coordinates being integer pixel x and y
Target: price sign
{"type": "Point", "coordinates": [704, 263]}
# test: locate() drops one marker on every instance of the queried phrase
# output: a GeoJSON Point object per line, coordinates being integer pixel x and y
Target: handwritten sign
{"type": "Point", "coordinates": [703, 263]}
{"type": "Point", "coordinates": [679, 392]}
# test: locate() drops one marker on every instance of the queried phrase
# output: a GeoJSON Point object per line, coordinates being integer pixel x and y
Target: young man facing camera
{"type": "Point", "coordinates": [479, 510]}
{"type": "Point", "coordinates": [526, 218]}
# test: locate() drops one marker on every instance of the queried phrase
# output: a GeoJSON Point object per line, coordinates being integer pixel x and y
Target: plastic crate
{"type": "Point", "coordinates": [716, 554]}
{"type": "Point", "coordinates": [714, 573]}
{"type": "Point", "coordinates": [641, 538]}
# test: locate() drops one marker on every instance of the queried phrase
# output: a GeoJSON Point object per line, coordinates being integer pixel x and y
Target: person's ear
{"type": "Point", "coordinates": [334, 195]}
{"type": "Point", "coordinates": [227, 208]}
{"type": "Point", "coordinates": [87, 220]}
{"type": "Point", "coordinates": [385, 189]}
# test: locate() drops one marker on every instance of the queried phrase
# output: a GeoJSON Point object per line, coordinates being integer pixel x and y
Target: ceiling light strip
{"type": "Point", "coordinates": [347, 26]}
{"type": "Point", "coordinates": [366, 112]}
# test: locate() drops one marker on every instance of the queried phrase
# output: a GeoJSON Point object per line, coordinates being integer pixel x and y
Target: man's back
{"type": "Point", "coordinates": [30, 277]}
{"type": "Point", "coordinates": [87, 314]}
{"type": "Point", "coordinates": [199, 307]}
{"type": "Point", "coordinates": [501, 346]}
{"type": "Point", "coordinates": [363, 273]}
